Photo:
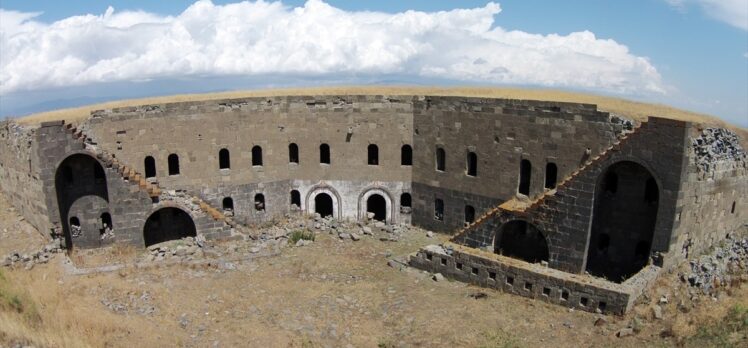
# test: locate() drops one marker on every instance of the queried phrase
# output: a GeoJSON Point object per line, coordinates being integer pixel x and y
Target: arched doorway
{"type": "Point", "coordinates": [623, 222]}
{"type": "Point", "coordinates": [168, 224]}
{"type": "Point", "coordinates": [80, 179]}
{"type": "Point", "coordinates": [377, 205]}
{"type": "Point", "coordinates": [323, 205]}
{"type": "Point", "coordinates": [521, 240]}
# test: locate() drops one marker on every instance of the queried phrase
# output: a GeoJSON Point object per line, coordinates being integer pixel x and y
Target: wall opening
{"type": "Point", "coordinates": [439, 209]}
{"type": "Point", "coordinates": [256, 155]}
{"type": "Point", "coordinates": [295, 199]}
{"type": "Point", "coordinates": [551, 175]}
{"type": "Point", "coordinates": [293, 153]}
{"type": "Point", "coordinates": [168, 224]}
{"type": "Point", "coordinates": [405, 202]}
{"type": "Point", "coordinates": [260, 202]}
{"type": "Point", "coordinates": [75, 179]}
{"type": "Point", "coordinates": [105, 221]}
{"type": "Point", "coordinates": [525, 177]}
{"type": "Point", "coordinates": [732, 210]}
{"type": "Point", "coordinates": [150, 167]}
{"type": "Point", "coordinates": [224, 159]}
{"type": "Point", "coordinates": [173, 160]}
{"type": "Point", "coordinates": [377, 205]}
{"type": "Point", "coordinates": [372, 155]}
{"type": "Point", "coordinates": [622, 224]}
{"type": "Point", "coordinates": [441, 158]}
{"type": "Point", "coordinates": [521, 240]}
{"type": "Point", "coordinates": [323, 204]}
{"type": "Point", "coordinates": [228, 204]}
{"type": "Point", "coordinates": [472, 164]}
{"type": "Point", "coordinates": [324, 154]}
{"type": "Point", "coordinates": [406, 155]}
{"type": "Point", "coordinates": [75, 227]}
{"type": "Point", "coordinates": [469, 214]}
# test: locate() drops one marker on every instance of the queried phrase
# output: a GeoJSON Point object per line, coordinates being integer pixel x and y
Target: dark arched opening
{"type": "Point", "coordinates": [173, 164]}
{"type": "Point", "coordinates": [372, 155]}
{"type": "Point", "coordinates": [228, 205]}
{"type": "Point", "coordinates": [323, 205]}
{"type": "Point", "coordinates": [441, 158]}
{"type": "Point", "coordinates": [623, 222]}
{"type": "Point", "coordinates": [168, 224]}
{"type": "Point", "coordinates": [80, 177]}
{"type": "Point", "coordinates": [525, 175]}
{"type": "Point", "coordinates": [295, 199]}
{"type": "Point", "coordinates": [150, 167]}
{"type": "Point", "coordinates": [256, 156]}
{"type": "Point", "coordinates": [472, 164]}
{"type": "Point", "coordinates": [521, 240]}
{"type": "Point", "coordinates": [293, 153]}
{"type": "Point", "coordinates": [224, 159]}
{"type": "Point", "coordinates": [469, 214]}
{"type": "Point", "coordinates": [406, 155]}
{"type": "Point", "coordinates": [405, 203]}
{"type": "Point", "coordinates": [551, 175]}
{"type": "Point", "coordinates": [324, 154]}
{"type": "Point", "coordinates": [377, 205]}
{"type": "Point", "coordinates": [105, 221]}
{"type": "Point", "coordinates": [260, 202]}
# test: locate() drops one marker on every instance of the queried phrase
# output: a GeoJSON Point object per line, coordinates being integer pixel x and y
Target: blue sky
{"type": "Point", "coordinates": [691, 54]}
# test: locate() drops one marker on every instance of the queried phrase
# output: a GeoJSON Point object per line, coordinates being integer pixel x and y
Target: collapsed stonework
{"type": "Point", "coordinates": [556, 201]}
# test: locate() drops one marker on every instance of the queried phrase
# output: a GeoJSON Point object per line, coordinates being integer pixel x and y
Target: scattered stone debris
{"type": "Point", "coordinates": [438, 277]}
{"type": "Point", "coordinates": [627, 331]}
{"type": "Point", "coordinates": [137, 302]}
{"type": "Point", "coordinates": [28, 260]}
{"type": "Point", "coordinates": [185, 248]}
{"type": "Point", "coordinates": [719, 269]}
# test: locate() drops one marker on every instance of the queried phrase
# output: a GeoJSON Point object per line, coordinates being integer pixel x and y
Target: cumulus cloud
{"type": "Point", "coordinates": [732, 12]}
{"type": "Point", "coordinates": [314, 40]}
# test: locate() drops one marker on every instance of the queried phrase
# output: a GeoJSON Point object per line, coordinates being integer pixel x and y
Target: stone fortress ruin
{"type": "Point", "coordinates": [554, 201]}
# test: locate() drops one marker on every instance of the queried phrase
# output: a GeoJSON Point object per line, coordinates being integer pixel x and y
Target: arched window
{"type": "Point", "coordinates": [551, 175]}
{"type": "Point", "coordinates": [525, 173]}
{"type": "Point", "coordinates": [439, 209]}
{"type": "Point", "coordinates": [224, 159]}
{"type": "Point", "coordinates": [441, 158]}
{"type": "Point", "coordinates": [228, 204]}
{"type": "Point", "coordinates": [256, 156]}
{"type": "Point", "coordinates": [293, 153]}
{"type": "Point", "coordinates": [324, 154]}
{"type": "Point", "coordinates": [472, 164]}
{"type": "Point", "coordinates": [150, 167]}
{"type": "Point", "coordinates": [106, 224]}
{"type": "Point", "coordinates": [260, 202]}
{"type": "Point", "coordinates": [295, 199]}
{"type": "Point", "coordinates": [469, 214]}
{"type": "Point", "coordinates": [406, 155]}
{"type": "Point", "coordinates": [373, 155]}
{"type": "Point", "coordinates": [173, 164]}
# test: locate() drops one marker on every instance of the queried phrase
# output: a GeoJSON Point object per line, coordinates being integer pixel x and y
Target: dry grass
{"type": "Point", "coordinates": [632, 109]}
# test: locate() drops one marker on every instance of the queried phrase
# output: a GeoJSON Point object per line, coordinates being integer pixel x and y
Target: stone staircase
{"type": "Point", "coordinates": [130, 175]}
{"type": "Point", "coordinates": [520, 207]}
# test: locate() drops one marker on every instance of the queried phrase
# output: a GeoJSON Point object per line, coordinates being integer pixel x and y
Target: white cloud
{"type": "Point", "coordinates": [254, 38]}
{"type": "Point", "coordinates": [732, 12]}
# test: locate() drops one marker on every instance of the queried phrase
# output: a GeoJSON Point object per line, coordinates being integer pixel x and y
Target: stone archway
{"type": "Point", "coordinates": [377, 201]}
{"type": "Point", "coordinates": [623, 222]}
{"type": "Point", "coordinates": [329, 195]}
{"type": "Point", "coordinates": [166, 224]}
{"type": "Point", "coordinates": [80, 178]}
{"type": "Point", "coordinates": [521, 240]}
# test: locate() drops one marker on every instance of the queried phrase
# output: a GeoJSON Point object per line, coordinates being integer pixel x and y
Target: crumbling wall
{"type": "Point", "coordinates": [714, 193]}
{"type": "Point", "coordinates": [19, 174]}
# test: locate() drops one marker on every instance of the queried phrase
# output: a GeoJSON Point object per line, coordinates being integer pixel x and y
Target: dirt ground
{"type": "Point", "coordinates": [331, 293]}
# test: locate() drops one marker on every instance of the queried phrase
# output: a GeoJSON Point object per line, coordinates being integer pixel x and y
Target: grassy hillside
{"type": "Point", "coordinates": [632, 109]}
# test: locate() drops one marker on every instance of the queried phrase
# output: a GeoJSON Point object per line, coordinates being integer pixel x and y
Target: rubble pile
{"type": "Point", "coordinates": [715, 146]}
{"type": "Point", "coordinates": [28, 260]}
{"type": "Point", "coordinates": [185, 249]}
{"type": "Point", "coordinates": [725, 265]}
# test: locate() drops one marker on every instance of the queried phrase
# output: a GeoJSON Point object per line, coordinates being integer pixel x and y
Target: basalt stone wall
{"type": "Point", "coordinates": [197, 132]}
{"type": "Point", "coordinates": [714, 193]}
{"type": "Point", "coordinates": [501, 133]}
{"type": "Point", "coordinates": [19, 174]}
{"type": "Point", "coordinates": [128, 206]}
{"type": "Point", "coordinates": [565, 218]}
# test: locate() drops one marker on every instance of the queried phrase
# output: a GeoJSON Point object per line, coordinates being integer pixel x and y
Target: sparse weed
{"type": "Point", "coordinates": [297, 235]}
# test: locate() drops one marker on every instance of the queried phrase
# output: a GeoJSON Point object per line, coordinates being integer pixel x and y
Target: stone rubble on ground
{"type": "Point", "coordinates": [709, 273]}
{"type": "Point", "coordinates": [28, 260]}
